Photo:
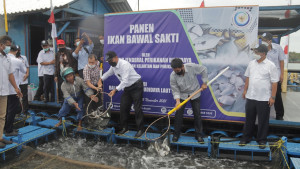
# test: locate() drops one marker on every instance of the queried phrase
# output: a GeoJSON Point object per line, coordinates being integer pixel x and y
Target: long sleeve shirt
{"type": "Point", "coordinates": [71, 91]}
{"type": "Point", "coordinates": [5, 69]}
{"type": "Point", "coordinates": [124, 72]}
{"type": "Point", "coordinates": [185, 85]}
{"type": "Point", "coordinates": [82, 56]}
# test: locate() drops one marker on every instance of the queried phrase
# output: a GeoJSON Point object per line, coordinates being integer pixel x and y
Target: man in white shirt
{"type": "Point", "coordinates": [40, 90]}
{"type": "Point", "coordinates": [132, 85]}
{"type": "Point", "coordinates": [276, 55]}
{"type": "Point", "coordinates": [47, 61]}
{"type": "Point", "coordinates": [23, 77]}
{"type": "Point", "coordinates": [13, 102]}
{"type": "Point", "coordinates": [260, 90]}
{"type": "Point", "coordinates": [6, 77]}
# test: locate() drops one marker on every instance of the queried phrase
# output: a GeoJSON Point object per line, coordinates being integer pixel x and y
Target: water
{"type": "Point", "coordinates": [132, 157]}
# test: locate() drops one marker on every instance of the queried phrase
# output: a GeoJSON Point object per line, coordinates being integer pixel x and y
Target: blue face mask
{"type": "Point", "coordinates": [77, 43]}
{"type": "Point", "coordinates": [46, 49]}
{"type": "Point", "coordinates": [7, 49]}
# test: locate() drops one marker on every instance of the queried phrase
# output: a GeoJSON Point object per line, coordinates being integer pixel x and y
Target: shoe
{"type": "Point", "coordinates": [262, 145]}
{"type": "Point", "coordinates": [124, 130]}
{"type": "Point", "coordinates": [139, 133]}
{"type": "Point", "coordinates": [2, 145]}
{"type": "Point", "coordinates": [279, 118]}
{"type": "Point", "coordinates": [199, 139]}
{"type": "Point", "coordinates": [11, 134]}
{"type": "Point", "coordinates": [175, 138]}
{"type": "Point", "coordinates": [243, 143]}
{"type": "Point", "coordinates": [5, 141]}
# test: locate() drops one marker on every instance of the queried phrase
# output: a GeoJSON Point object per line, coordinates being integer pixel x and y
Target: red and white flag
{"type": "Point", "coordinates": [52, 21]}
{"type": "Point", "coordinates": [202, 4]}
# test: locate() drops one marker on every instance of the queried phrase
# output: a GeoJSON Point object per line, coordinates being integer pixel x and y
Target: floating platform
{"type": "Point", "coordinates": [50, 123]}
{"type": "Point", "coordinates": [190, 141]}
{"type": "Point", "coordinates": [293, 149]}
{"type": "Point", "coordinates": [129, 136]}
{"type": "Point", "coordinates": [295, 163]}
{"type": "Point", "coordinates": [250, 147]}
{"type": "Point", "coordinates": [108, 132]}
{"type": "Point", "coordinates": [7, 148]}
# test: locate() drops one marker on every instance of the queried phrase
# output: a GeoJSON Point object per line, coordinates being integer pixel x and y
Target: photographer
{"type": "Point", "coordinates": [82, 52]}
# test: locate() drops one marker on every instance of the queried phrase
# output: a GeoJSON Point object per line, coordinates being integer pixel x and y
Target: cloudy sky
{"type": "Point", "coordinates": [168, 4]}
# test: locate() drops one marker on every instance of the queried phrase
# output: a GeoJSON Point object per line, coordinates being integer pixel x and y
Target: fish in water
{"type": "Point", "coordinates": [206, 41]}
{"type": "Point", "coordinates": [226, 100]}
{"type": "Point", "coordinates": [162, 148]}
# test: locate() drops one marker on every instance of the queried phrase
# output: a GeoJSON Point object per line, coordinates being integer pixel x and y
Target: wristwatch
{"type": "Point", "coordinates": [273, 97]}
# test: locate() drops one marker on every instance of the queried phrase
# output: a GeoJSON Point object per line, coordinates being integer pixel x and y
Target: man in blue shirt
{"type": "Point", "coordinates": [82, 52]}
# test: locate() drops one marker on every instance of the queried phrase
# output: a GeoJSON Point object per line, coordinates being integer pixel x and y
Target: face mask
{"type": "Point", "coordinates": [113, 64]}
{"type": "Point", "coordinates": [264, 43]}
{"type": "Point", "coordinates": [46, 49]}
{"type": "Point", "coordinates": [180, 73]}
{"type": "Point", "coordinates": [257, 57]}
{"type": "Point", "coordinates": [102, 41]}
{"type": "Point", "coordinates": [91, 66]}
{"type": "Point", "coordinates": [6, 50]}
{"type": "Point", "coordinates": [77, 43]}
{"type": "Point", "coordinates": [62, 49]}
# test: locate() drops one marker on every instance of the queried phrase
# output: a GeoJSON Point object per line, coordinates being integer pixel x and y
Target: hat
{"type": "Point", "coordinates": [44, 43]}
{"type": "Point", "coordinates": [261, 49]}
{"type": "Point", "coordinates": [18, 47]}
{"type": "Point", "coordinates": [66, 71]}
{"type": "Point", "coordinates": [110, 55]}
{"type": "Point", "coordinates": [60, 42]}
{"type": "Point", "coordinates": [267, 36]}
{"type": "Point", "coordinates": [13, 48]}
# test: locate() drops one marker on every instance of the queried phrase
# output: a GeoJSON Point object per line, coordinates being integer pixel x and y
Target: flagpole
{"type": "Point", "coordinates": [5, 18]}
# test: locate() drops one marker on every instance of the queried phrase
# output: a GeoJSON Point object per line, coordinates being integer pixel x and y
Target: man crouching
{"type": "Point", "coordinates": [72, 88]}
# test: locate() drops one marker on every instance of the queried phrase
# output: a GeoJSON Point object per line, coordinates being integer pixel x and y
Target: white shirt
{"type": "Point", "coordinates": [21, 76]}
{"type": "Point", "coordinates": [17, 66]}
{"type": "Point", "coordinates": [46, 57]}
{"type": "Point", "coordinates": [261, 76]}
{"type": "Point", "coordinates": [40, 67]}
{"type": "Point", "coordinates": [276, 55]}
{"type": "Point", "coordinates": [5, 70]}
{"type": "Point", "coordinates": [124, 72]}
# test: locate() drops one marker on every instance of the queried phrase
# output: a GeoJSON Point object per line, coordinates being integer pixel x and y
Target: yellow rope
{"type": "Point", "coordinates": [64, 131]}
{"type": "Point", "coordinates": [21, 120]}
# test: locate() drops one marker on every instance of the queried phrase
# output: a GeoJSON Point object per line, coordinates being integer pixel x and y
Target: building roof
{"type": "Point", "coordinates": [24, 6]}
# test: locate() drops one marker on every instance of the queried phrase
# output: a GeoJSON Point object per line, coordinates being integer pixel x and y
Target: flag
{"type": "Point", "coordinates": [52, 21]}
{"type": "Point", "coordinates": [202, 4]}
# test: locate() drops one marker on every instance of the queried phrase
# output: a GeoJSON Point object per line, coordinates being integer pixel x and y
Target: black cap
{"type": "Point", "coordinates": [267, 36]}
{"type": "Point", "coordinates": [261, 49]}
{"type": "Point", "coordinates": [18, 47]}
{"type": "Point", "coordinates": [13, 48]}
{"type": "Point", "coordinates": [110, 55]}
{"type": "Point", "coordinates": [44, 43]}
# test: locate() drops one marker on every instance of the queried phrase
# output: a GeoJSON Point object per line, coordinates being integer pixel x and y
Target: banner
{"type": "Point", "coordinates": [214, 37]}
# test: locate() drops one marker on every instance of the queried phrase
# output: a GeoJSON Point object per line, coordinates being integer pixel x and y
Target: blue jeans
{"type": "Point", "coordinates": [66, 108]}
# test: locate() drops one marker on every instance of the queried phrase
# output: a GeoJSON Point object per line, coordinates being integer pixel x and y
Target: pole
{"type": "Point", "coordinates": [138, 5]}
{"type": "Point", "coordinates": [5, 17]}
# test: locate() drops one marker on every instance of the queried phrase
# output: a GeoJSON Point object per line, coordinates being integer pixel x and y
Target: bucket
{"type": "Point", "coordinates": [31, 92]}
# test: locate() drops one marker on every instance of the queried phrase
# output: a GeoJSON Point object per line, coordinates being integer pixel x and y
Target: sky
{"type": "Point", "coordinates": [294, 45]}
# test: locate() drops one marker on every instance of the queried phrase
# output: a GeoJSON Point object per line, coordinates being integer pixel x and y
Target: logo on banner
{"type": "Point", "coordinates": [241, 18]}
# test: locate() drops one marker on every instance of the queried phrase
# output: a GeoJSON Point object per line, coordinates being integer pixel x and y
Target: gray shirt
{"type": "Point", "coordinates": [276, 55]}
{"type": "Point", "coordinates": [184, 85]}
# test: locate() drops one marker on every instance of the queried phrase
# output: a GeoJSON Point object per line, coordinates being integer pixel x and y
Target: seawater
{"type": "Point", "coordinates": [133, 157]}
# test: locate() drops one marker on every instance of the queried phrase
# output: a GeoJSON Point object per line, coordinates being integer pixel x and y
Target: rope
{"type": "Point", "coordinates": [162, 135]}
{"type": "Point", "coordinates": [91, 115]}
{"type": "Point", "coordinates": [64, 131]}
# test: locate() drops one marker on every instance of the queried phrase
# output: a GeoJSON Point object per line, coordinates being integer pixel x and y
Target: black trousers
{"type": "Point", "coordinates": [49, 87]}
{"type": "Point", "coordinates": [132, 94]}
{"type": "Point", "coordinates": [197, 118]}
{"type": "Point", "coordinates": [262, 110]}
{"type": "Point", "coordinates": [24, 90]}
{"type": "Point", "coordinates": [278, 102]}
{"type": "Point", "coordinates": [40, 90]}
{"type": "Point", "coordinates": [60, 94]}
{"type": "Point", "coordinates": [80, 72]}
{"type": "Point", "coordinates": [13, 108]}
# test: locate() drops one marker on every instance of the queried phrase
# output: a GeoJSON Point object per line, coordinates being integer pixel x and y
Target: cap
{"type": "Point", "coordinates": [13, 48]}
{"type": "Point", "coordinates": [44, 43]}
{"type": "Point", "coordinates": [261, 49]}
{"type": "Point", "coordinates": [267, 36]}
{"type": "Point", "coordinates": [110, 55]}
{"type": "Point", "coordinates": [60, 42]}
{"type": "Point", "coordinates": [18, 47]}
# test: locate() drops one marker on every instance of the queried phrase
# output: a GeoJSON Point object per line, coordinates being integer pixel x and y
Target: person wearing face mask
{"type": "Point", "coordinates": [259, 92]}
{"type": "Point", "coordinates": [13, 102]}
{"type": "Point", "coordinates": [91, 74]}
{"type": "Point", "coordinates": [46, 59]}
{"type": "Point", "coordinates": [81, 52]}
{"type": "Point", "coordinates": [132, 85]}
{"type": "Point", "coordinates": [63, 59]}
{"type": "Point", "coordinates": [184, 82]}
{"type": "Point", "coordinates": [6, 79]}
{"type": "Point", "coordinates": [276, 55]}
{"type": "Point", "coordinates": [23, 78]}
{"type": "Point", "coordinates": [100, 55]}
